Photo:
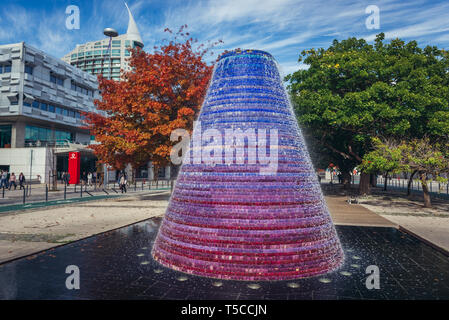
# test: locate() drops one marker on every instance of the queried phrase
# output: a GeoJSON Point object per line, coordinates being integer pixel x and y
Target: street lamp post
{"type": "Point", "coordinates": [111, 33]}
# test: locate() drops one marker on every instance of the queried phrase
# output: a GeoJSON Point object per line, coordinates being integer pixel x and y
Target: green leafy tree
{"type": "Point", "coordinates": [419, 156]}
{"type": "Point", "coordinates": [386, 158]}
{"type": "Point", "coordinates": [354, 91]}
{"type": "Point", "coordinates": [427, 158]}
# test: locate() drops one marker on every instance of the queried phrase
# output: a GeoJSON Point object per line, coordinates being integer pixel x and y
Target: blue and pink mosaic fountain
{"type": "Point", "coordinates": [230, 221]}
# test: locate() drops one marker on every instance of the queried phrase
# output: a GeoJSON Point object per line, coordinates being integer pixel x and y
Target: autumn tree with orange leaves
{"type": "Point", "coordinates": [163, 91]}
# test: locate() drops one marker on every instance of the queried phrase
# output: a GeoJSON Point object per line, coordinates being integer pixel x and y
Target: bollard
{"type": "Point", "coordinates": [24, 196]}
{"type": "Point", "coordinates": [75, 189]}
{"type": "Point", "coordinates": [46, 192]}
{"type": "Point", "coordinates": [142, 185]}
{"type": "Point", "coordinates": [65, 192]}
{"type": "Point", "coordinates": [3, 193]}
{"type": "Point", "coordinates": [135, 186]}
{"type": "Point", "coordinates": [171, 186]}
{"type": "Point", "coordinates": [81, 191]}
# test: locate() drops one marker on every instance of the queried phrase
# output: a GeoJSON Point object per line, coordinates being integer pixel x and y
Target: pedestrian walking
{"type": "Point", "coordinates": [3, 177]}
{"type": "Point", "coordinates": [21, 181]}
{"type": "Point", "coordinates": [123, 183]}
{"type": "Point", "coordinates": [89, 179]}
{"type": "Point", "coordinates": [12, 181]}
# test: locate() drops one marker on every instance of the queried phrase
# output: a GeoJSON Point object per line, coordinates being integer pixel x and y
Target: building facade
{"type": "Point", "coordinates": [105, 58]}
{"type": "Point", "coordinates": [41, 103]}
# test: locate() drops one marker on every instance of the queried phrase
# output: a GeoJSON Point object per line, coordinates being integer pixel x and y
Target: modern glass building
{"type": "Point", "coordinates": [95, 57]}
{"type": "Point", "coordinates": [42, 101]}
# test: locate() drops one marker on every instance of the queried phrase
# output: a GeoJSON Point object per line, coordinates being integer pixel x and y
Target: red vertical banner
{"type": "Point", "coordinates": [74, 167]}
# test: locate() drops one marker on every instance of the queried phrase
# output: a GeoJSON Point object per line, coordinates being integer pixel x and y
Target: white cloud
{"type": "Point", "coordinates": [282, 27]}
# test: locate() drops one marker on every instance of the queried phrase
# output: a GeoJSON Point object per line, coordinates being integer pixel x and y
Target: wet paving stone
{"type": "Point", "coordinates": [112, 267]}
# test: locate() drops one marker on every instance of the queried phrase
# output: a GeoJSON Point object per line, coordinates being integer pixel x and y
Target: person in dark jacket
{"type": "Point", "coordinates": [21, 181]}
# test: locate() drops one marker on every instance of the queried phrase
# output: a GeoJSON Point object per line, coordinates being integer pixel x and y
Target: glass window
{"type": "Point", "coordinates": [74, 56]}
{"type": "Point", "coordinates": [81, 54]}
{"type": "Point", "coordinates": [127, 43]}
{"type": "Point", "coordinates": [43, 134]}
{"type": "Point", "coordinates": [51, 108]}
{"type": "Point", "coordinates": [116, 43]}
{"type": "Point", "coordinates": [7, 68]}
{"type": "Point", "coordinates": [88, 53]}
{"type": "Point", "coordinates": [5, 136]}
{"type": "Point", "coordinates": [65, 112]}
{"type": "Point", "coordinates": [56, 80]}
{"type": "Point", "coordinates": [58, 110]}
{"type": "Point", "coordinates": [116, 52]}
{"type": "Point", "coordinates": [44, 107]}
{"type": "Point", "coordinates": [73, 86]}
{"type": "Point", "coordinates": [29, 69]}
{"type": "Point", "coordinates": [105, 52]}
{"type": "Point", "coordinates": [36, 104]}
{"type": "Point", "coordinates": [97, 52]}
{"type": "Point", "coordinates": [26, 104]}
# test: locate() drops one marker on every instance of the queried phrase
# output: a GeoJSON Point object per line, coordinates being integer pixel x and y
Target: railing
{"type": "Point", "coordinates": [44, 193]}
{"type": "Point", "coordinates": [436, 188]}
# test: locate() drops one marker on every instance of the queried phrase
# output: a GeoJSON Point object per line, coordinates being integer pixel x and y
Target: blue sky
{"type": "Point", "coordinates": [282, 27]}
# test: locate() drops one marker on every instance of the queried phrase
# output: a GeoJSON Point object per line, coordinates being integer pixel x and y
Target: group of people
{"type": "Point", "coordinates": [8, 180]}
{"type": "Point", "coordinates": [87, 178]}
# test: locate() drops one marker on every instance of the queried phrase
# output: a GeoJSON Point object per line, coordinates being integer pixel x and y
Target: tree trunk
{"type": "Point", "coordinates": [346, 180]}
{"type": "Point", "coordinates": [133, 175]}
{"type": "Point", "coordinates": [425, 189]}
{"type": "Point", "coordinates": [364, 185]}
{"type": "Point", "coordinates": [385, 181]}
{"type": "Point", "coordinates": [373, 180]}
{"type": "Point", "coordinates": [409, 184]}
